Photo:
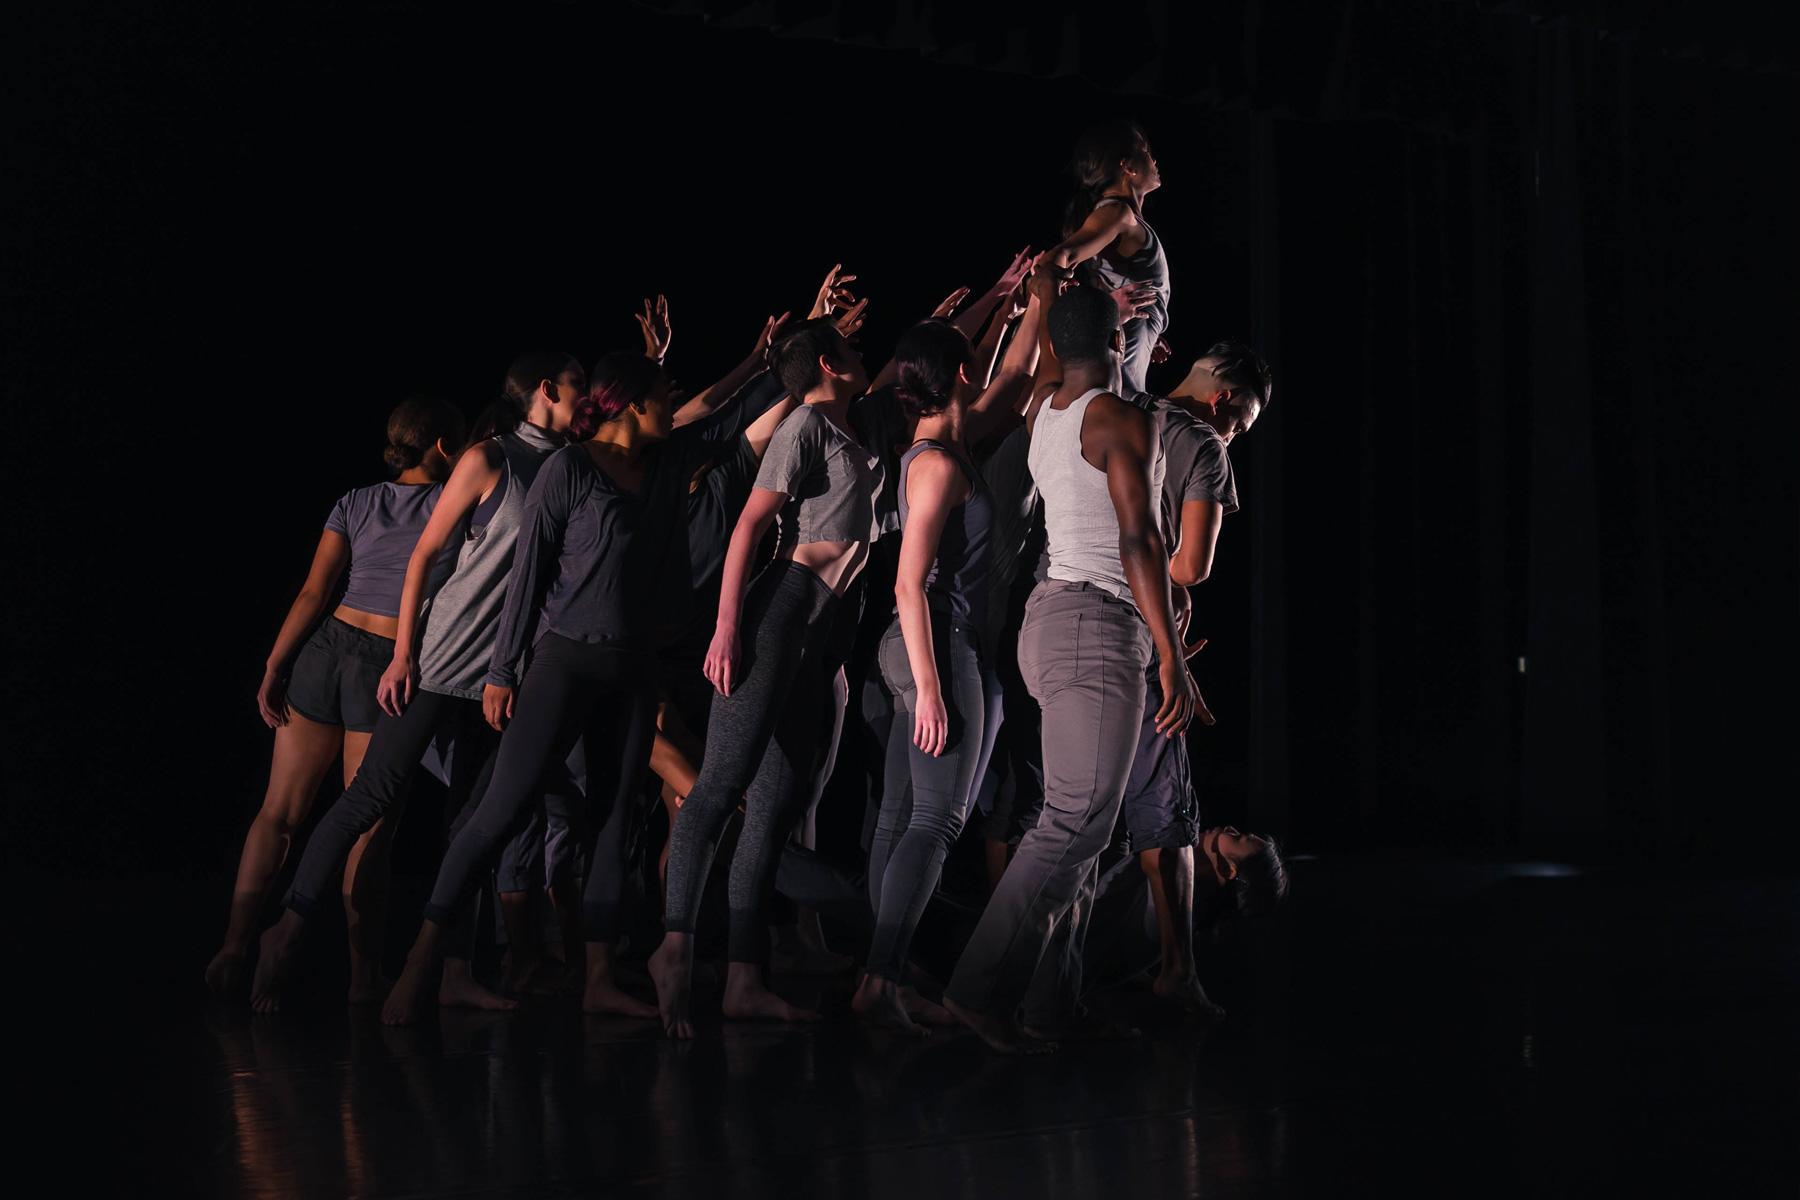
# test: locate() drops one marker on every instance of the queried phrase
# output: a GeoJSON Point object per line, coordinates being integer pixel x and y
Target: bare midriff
{"type": "Point", "coordinates": [835, 563]}
{"type": "Point", "coordinates": [380, 626]}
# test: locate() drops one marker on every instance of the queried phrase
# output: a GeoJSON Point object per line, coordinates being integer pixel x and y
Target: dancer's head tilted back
{"type": "Point", "coordinates": [1227, 387]}
{"type": "Point", "coordinates": [1084, 327]}
{"type": "Point", "coordinates": [812, 357]}
{"type": "Point", "coordinates": [1106, 154]}
{"type": "Point", "coordinates": [624, 386]}
{"type": "Point", "coordinates": [424, 432]}
{"type": "Point", "coordinates": [1247, 866]}
{"type": "Point", "coordinates": [542, 388]}
{"type": "Point", "coordinates": [936, 365]}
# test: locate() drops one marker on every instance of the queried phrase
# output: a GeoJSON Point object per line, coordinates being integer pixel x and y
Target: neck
{"type": "Point", "coordinates": [829, 402]}
{"type": "Point", "coordinates": [619, 436]}
{"type": "Point", "coordinates": [942, 427]}
{"type": "Point", "coordinates": [540, 417]}
{"type": "Point", "coordinates": [1122, 188]}
{"type": "Point", "coordinates": [415, 475]}
{"type": "Point", "coordinates": [1081, 377]}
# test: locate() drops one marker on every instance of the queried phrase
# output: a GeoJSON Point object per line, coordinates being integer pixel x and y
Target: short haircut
{"type": "Point", "coordinates": [1243, 368]}
{"type": "Point", "coordinates": [795, 357]}
{"type": "Point", "coordinates": [1261, 881]}
{"type": "Point", "coordinates": [1081, 322]}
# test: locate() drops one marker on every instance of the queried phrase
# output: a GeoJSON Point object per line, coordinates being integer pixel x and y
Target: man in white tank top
{"type": "Point", "coordinates": [1083, 649]}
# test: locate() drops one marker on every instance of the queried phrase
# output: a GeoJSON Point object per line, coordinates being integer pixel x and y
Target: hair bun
{"type": "Point", "coordinates": [402, 458]}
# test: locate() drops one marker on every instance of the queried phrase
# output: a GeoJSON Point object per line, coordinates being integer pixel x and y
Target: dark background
{"type": "Point", "coordinates": [1525, 275]}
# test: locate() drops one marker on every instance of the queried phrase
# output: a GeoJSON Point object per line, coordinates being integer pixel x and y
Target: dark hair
{"type": "Point", "coordinates": [415, 426]}
{"type": "Point", "coordinates": [1081, 324]}
{"type": "Point", "coordinates": [928, 357]}
{"type": "Point", "coordinates": [513, 404]}
{"type": "Point", "coordinates": [795, 357]}
{"type": "Point", "coordinates": [617, 381]}
{"type": "Point", "coordinates": [1242, 368]}
{"type": "Point", "coordinates": [1261, 881]}
{"type": "Point", "coordinates": [1098, 153]}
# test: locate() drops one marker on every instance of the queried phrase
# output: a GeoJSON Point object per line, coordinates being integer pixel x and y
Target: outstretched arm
{"type": "Point", "coordinates": [1005, 397]}
{"type": "Point", "coordinates": [711, 398]}
{"type": "Point", "coordinates": [1099, 231]}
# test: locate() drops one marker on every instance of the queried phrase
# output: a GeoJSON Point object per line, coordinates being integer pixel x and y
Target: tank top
{"type": "Point", "coordinates": [463, 618]}
{"type": "Point", "coordinates": [1080, 524]}
{"type": "Point", "coordinates": [1110, 270]}
{"type": "Point", "coordinates": [957, 583]}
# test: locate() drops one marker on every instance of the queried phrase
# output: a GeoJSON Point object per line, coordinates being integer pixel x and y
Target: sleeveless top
{"type": "Point", "coordinates": [957, 582]}
{"type": "Point", "coordinates": [382, 523]}
{"type": "Point", "coordinates": [1110, 270]}
{"type": "Point", "coordinates": [1080, 524]}
{"type": "Point", "coordinates": [463, 618]}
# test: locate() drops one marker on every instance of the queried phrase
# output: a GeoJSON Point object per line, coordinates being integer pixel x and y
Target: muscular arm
{"type": "Point", "coordinates": [1100, 230]}
{"type": "Point", "coordinates": [1006, 397]}
{"type": "Point", "coordinates": [1120, 439]}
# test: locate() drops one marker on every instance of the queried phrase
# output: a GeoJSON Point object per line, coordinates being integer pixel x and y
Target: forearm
{"type": "Point", "coordinates": [915, 628]}
{"type": "Point", "coordinates": [302, 616]}
{"type": "Point", "coordinates": [710, 398]}
{"type": "Point", "coordinates": [1146, 571]}
{"type": "Point", "coordinates": [971, 319]}
{"type": "Point", "coordinates": [734, 578]}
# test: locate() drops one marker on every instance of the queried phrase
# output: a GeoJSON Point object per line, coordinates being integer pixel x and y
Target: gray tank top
{"type": "Point", "coordinates": [957, 582]}
{"type": "Point", "coordinates": [1080, 524]}
{"type": "Point", "coordinates": [1110, 270]}
{"type": "Point", "coordinates": [463, 618]}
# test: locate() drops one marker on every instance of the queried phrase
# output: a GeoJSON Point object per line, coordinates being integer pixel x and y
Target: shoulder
{"type": "Point", "coordinates": [932, 464]}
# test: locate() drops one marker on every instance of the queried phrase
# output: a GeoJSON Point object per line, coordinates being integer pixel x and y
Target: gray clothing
{"type": "Point", "coordinates": [957, 582]}
{"type": "Point", "coordinates": [1198, 466]}
{"type": "Point", "coordinates": [830, 482]}
{"type": "Point", "coordinates": [382, 524]}
{"type": "Point", "coordinates": [463, 619]}
{"type": "Point", "coordinates": [1111, 270]}
{"type": "Point", "coordinates": [1082, 653]}
{"type": "Point", "coordinates": [1080, 524]}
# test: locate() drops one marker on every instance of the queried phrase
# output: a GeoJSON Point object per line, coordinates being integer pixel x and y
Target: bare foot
{"type": "Point", "coordinates": [367, 986]}
{"type": "Point", "coordinates": [225, 973]}
{"type": "Point", "coordinates": [998, 1034]}
{"type": "Point", "coordinates": [671, 970]}
{"type": "Point", "coordinates": [603, 996]}
{"type": "Point", "coordinates": [534, 974]}
{"type": "Point", "coordinates": [924, 1011]}
{"type": "Point", "coordinates": [460, 989]}
{"type": "Point", "coordinates": [406, 999]}
{"type": "Point", "coordinates": [272, 961]}
{"type": "Point", "coordinates": [748, 998]}
{"type": "Point", "coordinates": [878, 1003]}
{"type": "Point", "coordinates": [1186, 991]}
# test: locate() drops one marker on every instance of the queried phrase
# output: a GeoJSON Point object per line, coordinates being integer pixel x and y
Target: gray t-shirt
{"type": "Point", "coordinates": [830, 481]}
{"type": "Point", "coordinates": [382, 524]}
{"type": "Point", "coordinates": [1198, 466]}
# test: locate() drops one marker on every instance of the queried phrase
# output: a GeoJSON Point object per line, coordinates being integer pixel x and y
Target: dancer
{"type": "Point", "coordinates": [816, 485]}
{"type": "Point", "coordinates": [1089, 629]}
{"type": "Point", "coordinates": [1105, 234]}
{"type": "Point", "coordinates": [933, 656]}
{"type": "Point", "coordinates": [1220, 398]}
{"type": "Point", "coordinates": [599, 544]}
{"type": "Point", "coordinates": [318, 689]}
{"type": "Point", "coordinates": [431, 685]}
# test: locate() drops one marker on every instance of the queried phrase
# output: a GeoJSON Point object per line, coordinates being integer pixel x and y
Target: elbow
{"type": "Point", "coordinates": [1183, 573]}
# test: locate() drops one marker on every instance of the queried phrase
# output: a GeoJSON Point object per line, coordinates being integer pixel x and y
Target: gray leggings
{"type": "Point", "coordinates": [761, 745]}
{"type": "Point", "coordinates": [924, 800]}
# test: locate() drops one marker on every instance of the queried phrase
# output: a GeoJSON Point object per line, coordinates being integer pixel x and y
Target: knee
{"type": "Point", "coordinates": [1150, 861]}
{"type": "Point", "coordinates": [282, 815]}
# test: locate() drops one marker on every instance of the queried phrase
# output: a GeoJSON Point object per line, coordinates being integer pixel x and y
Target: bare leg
{"type": "Point", "coordinates": [748, 998]}
{"type": "Point", "coordinates": [602, 994]}
{"type": "Point", "coordinates": [1171, 876]}
{"type": "Point", "coordinates": [365, 890]}
{"type": "Point", "coordinates": [672, 971]}
{"type": "Point", "coordinates": [406, 999]}
{"type": "Point", "coordinates": [272, 960]}
{"type": "Point", "coordinates": [675, 758]}
{"type": "Point", "coordinates": [303, 753]}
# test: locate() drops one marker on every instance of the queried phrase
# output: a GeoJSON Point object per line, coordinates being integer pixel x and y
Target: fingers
{"type": "Point", "coordinates": [1202, 713]}
{"type": "Point", "coordinates": [1169, 713]}
{"type": "Point", "coordinates": [1194, 649]}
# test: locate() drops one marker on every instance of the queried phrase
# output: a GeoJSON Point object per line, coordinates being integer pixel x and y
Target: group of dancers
{"type": "Point", "coordinates": [608, 587]}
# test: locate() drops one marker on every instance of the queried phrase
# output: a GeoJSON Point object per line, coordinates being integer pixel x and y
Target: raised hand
{"type": "Point", "coordinates": [1015, 273]}
{"type": "Point", "coordinates": [850, 321]}
{"type": "Point", "coordinates": [770, 331]}
{"type": "Point", "coordinates": [950, 303]}
{"type": "Point", "coordinates": [834, 294]}
{"type": "Point", "coordinates": [1160, 352]}
{"type": "Point", "coordinates": [654, 322]}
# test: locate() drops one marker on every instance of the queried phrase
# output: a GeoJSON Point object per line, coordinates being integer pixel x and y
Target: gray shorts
{"type": "Point", "coordinates": [1160, 810]}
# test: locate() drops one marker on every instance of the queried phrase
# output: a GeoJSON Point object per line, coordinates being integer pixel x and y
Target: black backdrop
{"type": "Point", "coordinates": [1516, 571]}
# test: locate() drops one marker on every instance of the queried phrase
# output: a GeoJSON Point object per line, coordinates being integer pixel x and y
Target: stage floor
{"type": "Point", "coordinates": [1456, 1029]}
